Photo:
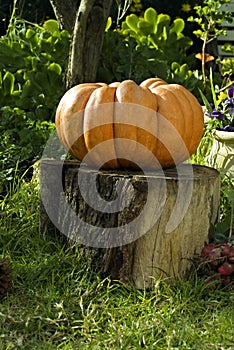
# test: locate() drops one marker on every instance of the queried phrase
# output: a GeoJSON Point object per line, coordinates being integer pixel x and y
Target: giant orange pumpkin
{"type": "Point", "coordinates": [125, 125]}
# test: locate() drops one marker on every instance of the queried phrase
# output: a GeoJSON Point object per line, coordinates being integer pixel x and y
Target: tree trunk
{"type": "Point", "coordinates": [138, 226]}
{"type": "Point", "coordinates": [88, 34]}
{"type": "Point", "coordinates": [65, 12]}
{"type": "Point", "coordinates": [86, 23]}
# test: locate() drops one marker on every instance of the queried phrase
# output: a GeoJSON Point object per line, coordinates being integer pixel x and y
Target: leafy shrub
{"type": "Point", "coordinates": [33, 59]}
{"type": "Point", "coordinates": [148, 46]}
{"type": "Point", "coordinates": [22, 142]}
{"type": "Point", "coordinates": [157, 32]}
{"type": "Point", "coordinates": [227, 64]}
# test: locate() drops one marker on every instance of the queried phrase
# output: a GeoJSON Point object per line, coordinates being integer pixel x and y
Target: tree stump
{"type": "Point", "coordinates": [135, 226]}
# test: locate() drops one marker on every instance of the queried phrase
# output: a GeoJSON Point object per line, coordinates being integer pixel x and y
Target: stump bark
{"type": "Point", "coordinates": [134, 226]}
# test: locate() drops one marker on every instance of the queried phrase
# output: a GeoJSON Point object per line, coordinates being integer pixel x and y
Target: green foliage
{"type": "Point", "coordinates": [157, 32]}
{"type": "Point", "coordinates": [181, 74]}
{"type": "Point", "coordinates": [209, 17]}
{"type": "Point", "coordinates": [125, 59]}
{"type": "Point", "coordinates": [33, 60]}
{"type": "Point", "coordinates": [148, 46]}
{"type": "Point", "coordinates": [225, 225]}
{"type": "Point", "coordinates": [212, 11]}
{"type": "Point", "coordinates": [224, 228]}
{"type": "Point", "coordinates": [22, 142]}
{"type": "Point", "coordinates": [227, 65]}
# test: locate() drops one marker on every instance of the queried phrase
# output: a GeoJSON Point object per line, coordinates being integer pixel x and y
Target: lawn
{"type": "Point", "coordinates": [58, 302]}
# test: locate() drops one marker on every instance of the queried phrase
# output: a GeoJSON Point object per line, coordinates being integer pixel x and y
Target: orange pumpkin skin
{"type": "Point", "coordinates": [136, 124]}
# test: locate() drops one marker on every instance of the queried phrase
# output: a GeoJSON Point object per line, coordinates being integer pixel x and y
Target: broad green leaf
{"type": "Point", "coordinates": [162, 18]}
{"type": "Point", "coordinates": [51, 26]}
{"type": "Point", "coordinates": [30, 33]}
{"type": "Point", "coordinates": [177, 25]}
{"type": "Point", "coordinates": [145, 27]}
{"type": "Point", "coordinates": [185, 42]}
{"type": "Point", "coordinates": [41, 79]}
{"type": "Point", "coordinates": [162, 22]}
{"type": "Point", "coordinates": [199, 33]}
{"type": "Point", "coordinates": [108, 24]}
{"type": "Point", "coordinates": [46, 45]}
{"type": "Point", "coordinates": [37, 80]}
{"type": "Point", "coordinates": [171, 39]}
{"type": "Point", "coordinates": [124, 26]}
{"type": "Point", "coordinates": [128, 32]}
{"type": "Point", "coordinates": [132, 21]}
{"type": "Point", "coordinates": [183, 71]}
{"type": "Point", "coordinates": [175, 65]}
{"type": "Point", "coordinates": [32, 36]}
{"type": "Point", "coordinates": [65, 34]}
{"type": "Point", "coordinates": [8, 83]}
{"type": "Point", "coordinates": [27, 90]}
{"type": "Point", "coordinates": [151, 16]}
{"type": "Point", "coordinates": [11, 55]}
{"type": "Point", "coordinates": [55, 67]}
{"type": "Point", "coordinates": [33, 61]}
{"type": "Point", "coordinates": [16, 93]}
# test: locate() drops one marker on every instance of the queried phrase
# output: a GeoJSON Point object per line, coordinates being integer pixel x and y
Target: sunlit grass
{"type": "Point", "coordinates": [58, 302]}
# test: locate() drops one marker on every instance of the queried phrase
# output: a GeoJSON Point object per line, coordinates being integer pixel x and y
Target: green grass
{"type": "Point", "coordinates": [58, 302]}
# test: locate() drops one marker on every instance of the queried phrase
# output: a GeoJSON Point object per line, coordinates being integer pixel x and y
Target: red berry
{"type": "Point", "coordinates": [206, 250]}
{"type": "Point", "coordinates": [226, 269]}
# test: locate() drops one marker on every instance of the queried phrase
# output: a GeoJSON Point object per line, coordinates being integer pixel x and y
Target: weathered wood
{"type": "Point", "coordinates": [87, 40]}
{"type": "Point", "coordinates": [65, 13]}
{"type": "Point", "coordinates": [159, 219]}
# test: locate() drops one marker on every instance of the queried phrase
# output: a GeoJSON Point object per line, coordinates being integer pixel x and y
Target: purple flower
{"type": "Point", "coordinates": [229, 102]}
{"type": "Point", "coordinates": [231, 92]}
{"type": "Point", "coordinates": [227, 128]}
{"type": "Point", "coordinates": [222, 116]}
{"type": "Point", "coordinates": [217, 114]}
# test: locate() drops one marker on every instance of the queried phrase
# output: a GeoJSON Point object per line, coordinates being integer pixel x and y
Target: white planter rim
{"type": "Point", "coordinates": [226, 136]}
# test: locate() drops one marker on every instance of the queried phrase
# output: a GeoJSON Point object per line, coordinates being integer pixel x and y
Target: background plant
{"type": "Point", "coordinates": [32, 65]}
{"type": "Point", "coordinates": [227, 67]}
{"type": "Point", "coordinates": [209, 17]}
{"type": "Point", "coordinates": [147, 46]}
{"type": "Point", "coordinates": [32, 59]}
{"type": "Point", "coordinates": [224, 227]}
